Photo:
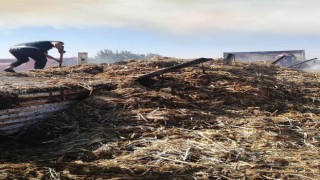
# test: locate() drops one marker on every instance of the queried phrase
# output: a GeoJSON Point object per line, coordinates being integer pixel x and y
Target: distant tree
{"type": "Point", "coordinates": [108, 56]}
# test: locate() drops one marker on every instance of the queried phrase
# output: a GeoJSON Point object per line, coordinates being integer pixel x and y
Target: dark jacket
{"type": "Point", "coordinates": [43, 46]}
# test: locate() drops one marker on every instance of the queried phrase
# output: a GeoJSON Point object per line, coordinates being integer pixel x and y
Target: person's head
{"type": "Point", "coordinates": [59, 46]}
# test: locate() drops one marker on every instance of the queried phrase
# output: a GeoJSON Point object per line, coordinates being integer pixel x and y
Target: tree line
{"type": "Point", "coordinates": [109, 56]}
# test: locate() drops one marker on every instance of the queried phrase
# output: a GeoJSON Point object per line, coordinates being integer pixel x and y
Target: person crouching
{"type": "Point", "coordinates": [38, 51]}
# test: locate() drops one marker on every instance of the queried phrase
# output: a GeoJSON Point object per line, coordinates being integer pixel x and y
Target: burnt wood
{"type": "Point", "coordinates": [173, 68]}
{"type": "Point", "coordinates": [278, 60]}
{"type": "Point", "coordinates": [302, 62]}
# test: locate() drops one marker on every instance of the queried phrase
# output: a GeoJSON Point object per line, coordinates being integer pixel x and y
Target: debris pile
{"type": "Point", "coordinates": [250, 120]}
{"type": "Point", "coordinates": [25, 99]}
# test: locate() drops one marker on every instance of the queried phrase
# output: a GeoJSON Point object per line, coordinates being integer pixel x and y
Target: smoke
{"type": "Point", "coordinates": [314, 68]}
{"type": "Point", "coordinates": [179, 17]}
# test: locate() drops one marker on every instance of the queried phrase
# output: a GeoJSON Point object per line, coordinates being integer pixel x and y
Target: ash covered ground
{"type": "Point", "coordinates": [245, 120]}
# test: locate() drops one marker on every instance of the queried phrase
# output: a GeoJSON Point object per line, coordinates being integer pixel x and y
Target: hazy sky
{"type": "Point", "coordinates": [179, 28]}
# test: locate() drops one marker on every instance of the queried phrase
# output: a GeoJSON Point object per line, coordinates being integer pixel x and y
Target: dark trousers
{"type": "Point", "coordinates": [22, 55]}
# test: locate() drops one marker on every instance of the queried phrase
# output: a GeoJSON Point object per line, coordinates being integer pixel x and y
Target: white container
{"type": "Point", "coordinates": [82, 58]}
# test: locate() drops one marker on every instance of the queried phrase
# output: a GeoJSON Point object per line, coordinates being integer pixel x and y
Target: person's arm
{"type": "Point", "coordinates": [50, 57]}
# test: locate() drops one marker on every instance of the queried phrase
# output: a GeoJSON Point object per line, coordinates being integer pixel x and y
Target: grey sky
{"type": "Point", "coordinates": [171, 16]}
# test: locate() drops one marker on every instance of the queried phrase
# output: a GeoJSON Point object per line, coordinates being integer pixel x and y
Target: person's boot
{"type": "Point", "coordinates": [9, 70]}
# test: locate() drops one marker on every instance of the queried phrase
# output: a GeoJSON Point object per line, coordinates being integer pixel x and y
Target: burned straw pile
{"type": "Point", "coordinates": [239, 121]}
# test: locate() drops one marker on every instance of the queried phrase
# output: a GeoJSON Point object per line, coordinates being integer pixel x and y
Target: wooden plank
{"type": "Point", "coordinates": [173, 68]}
{"type": "Point", "coordinates": [61, 55]}
{"type": "Point", "coordinates": [30, 111]}
{"type": "Point", "coordinates": [279, 59]}
{"type": "Point", "coordinates": [41, 94]}
{"type": "Point", "coordinates": [302, 62]}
